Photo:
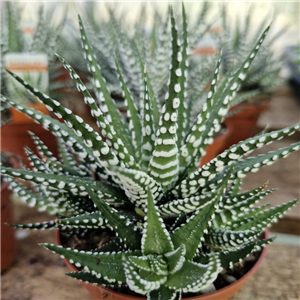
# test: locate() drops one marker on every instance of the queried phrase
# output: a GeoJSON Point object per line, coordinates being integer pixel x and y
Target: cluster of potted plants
{"type": "Point", "coordinates": [151, 222]}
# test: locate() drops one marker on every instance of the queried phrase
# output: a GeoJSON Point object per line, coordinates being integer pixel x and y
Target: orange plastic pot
{"type": "Point", "coordinates": [98, 292]}
{"type": "Point", "coordinates": [15, 136]}
{"type": "Point", "coordinates": [8, 240]}
{"type": "Point", "coordinates": [19, 117]}
{"type": "Point", "coordinates": [243, 124]}
{"type": "Point", "coordinates": [215, 148]}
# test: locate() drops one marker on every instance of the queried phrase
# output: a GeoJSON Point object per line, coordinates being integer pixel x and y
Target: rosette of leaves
{"type": "Point", "coordinates": [46, 39]}
{"type": "Point", "coordinates": [237, 40]}
{"type": "Point", "coordinates": [174, 226]}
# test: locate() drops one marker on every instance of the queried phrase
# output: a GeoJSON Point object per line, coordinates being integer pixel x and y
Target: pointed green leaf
{"type": "Point", "coordinates": [163, 165]}
{"type": "Point", "coordinates": [263, 219]}
{"type": "Point", "coordinates": [191, 232]}
{"type": "Point", "coordinates": [41, 202]}
{"type": "Point", "coordinates": [208, 122]}
{"type": "Point", "coordinates": [224, 239]}
{"type": "Point", "coordinates": [148, 133]}
{"type": "Point", "coordinates": [135, 126]}
{"type": "Point", "coordinates": [156, 238]}
{"type": "Point", "coordinates": [243, 148]}
{"type": "Point", "coordinates": [90, 278]}
{"type": "Point", "coordinates": [42, 225]}
{"type": "Point", "coordinates": [106, 265]}
{"type": "Point", "coordinates": [229, 258]}
{"type": "Point", "coordinates": [108, 130]}
{"type": "Point", "coordinates": [57, 128]}
{"type": "Point", "coordinates": [91, 138]}
{"type": "Point", "coordinates": [176, 259]}
{"type": "Point", "coordinates": [177, 207]}
{"type": "Point", "coordinates": [141, 262]}
{"type": "Point", "coordinates": [182, 116]}
{"type": "Point", "coordinates": [76, 185]}
{"type": "Point", "coordinates": [108, 106]}
{"type": "Point", "coordinates": [91, 220]}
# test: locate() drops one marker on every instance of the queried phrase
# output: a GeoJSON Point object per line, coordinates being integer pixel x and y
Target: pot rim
{"type": "Point", "coordinates": [233, 285]}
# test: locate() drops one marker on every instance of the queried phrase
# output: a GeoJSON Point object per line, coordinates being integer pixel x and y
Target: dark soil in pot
{"type": "Point", "coordinates": [93, 239]}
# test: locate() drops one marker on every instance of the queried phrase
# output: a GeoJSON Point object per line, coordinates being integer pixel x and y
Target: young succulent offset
{"type": "Point", "coordinates": [175, 225]}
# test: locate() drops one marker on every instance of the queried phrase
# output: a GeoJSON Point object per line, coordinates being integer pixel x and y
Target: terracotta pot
{"type": "Point", "coordinates": [216, 147]}
{"type": "Point", "coordinates": [98, 292]}
{"type": "Point", "coordinates": [243, 124]}
{"type": "Point", "coordinates": [15, 136]}
{"type": "Point", "coordinates": [8, 240]}
{"type": "Point", "coordinates": [19, 117]}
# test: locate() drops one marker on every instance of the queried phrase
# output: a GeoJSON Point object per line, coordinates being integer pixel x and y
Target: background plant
{"type": "Point", "coordinates": [236, 41]}
{"type": "Point", "coordinates": [174, 225]}
{"type": "Point", "coordinates": [46, 39]}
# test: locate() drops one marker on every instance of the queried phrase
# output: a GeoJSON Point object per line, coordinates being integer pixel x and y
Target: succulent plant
{"type": "Point", "coordinates": [45, 39]}
{"type": "Point", "coordinates": [174, 225]}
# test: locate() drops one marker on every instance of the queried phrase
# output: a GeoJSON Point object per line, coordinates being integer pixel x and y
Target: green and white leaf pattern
{"type": "Point", "coordinates": [175, 225]}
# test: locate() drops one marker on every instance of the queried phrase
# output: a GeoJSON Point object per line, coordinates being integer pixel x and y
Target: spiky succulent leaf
{"type": "Point", "coordinates": [223, 239]}
{"type": "Point", "coordinates": [263, 219]}
{"type": "Point", "coordinates": [107, 129]}
{"type": "Point", "coordinates": [91, 138]}
{"type": "Point", "coordinates": [57, 128]}
{"type": "Point", "coordinates": [243, 148]}
{"type": "Point", "coordinates": [163, 165]}
{"type": "Point", "coordinates": [176, 259]}
{"type": "Point", "coordinates": [190, 233]}
{"type": "Point", "coordinates": [106, 265]}
{"type": "Point", "coordinates": [91, 220]}
{"type": "Point", "coordinates": [41, 225]}
{"type": "Point", "coordinates": [229, 258]}
{"type": "Point", "coordinates": [253, 164]}
{"type": "Point", "coordinates": [42, 148]}
{"type": "Point", "coordinates": [76, 185]}
{"type": "Point", "coordinates": [107, 104]}
{"type": "Point", "coordinates": [182, 122]}
{"type": "Point", "coordinates": [235, 211]}
{"type": "Point", "coordinates": [90, 278]}
{"type": "Point", "coordinates": [214, 111]}
{"type": "Point", "coordinates": [148, 132]}
{"type": "Point", "coordinates": [53, 206]}
{"type": "Point", "coordinates": [156, 238]}
{"type": "Point", "coordinates": [135, 126]}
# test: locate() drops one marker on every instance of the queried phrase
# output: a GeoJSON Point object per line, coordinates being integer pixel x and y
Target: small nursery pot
{"type": "Point", "coordinates": [242, 125]}
{"type": "Point", "coordinates": [8, 240]}
{"type": "Point", "coordinates": [15, 136]}
{"type": "Point", "coordinates": [216, 147]}
{"type": "Point", "coordinates": [19, 117]}
{"type": "Point", "coordinates": [98, 292]}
